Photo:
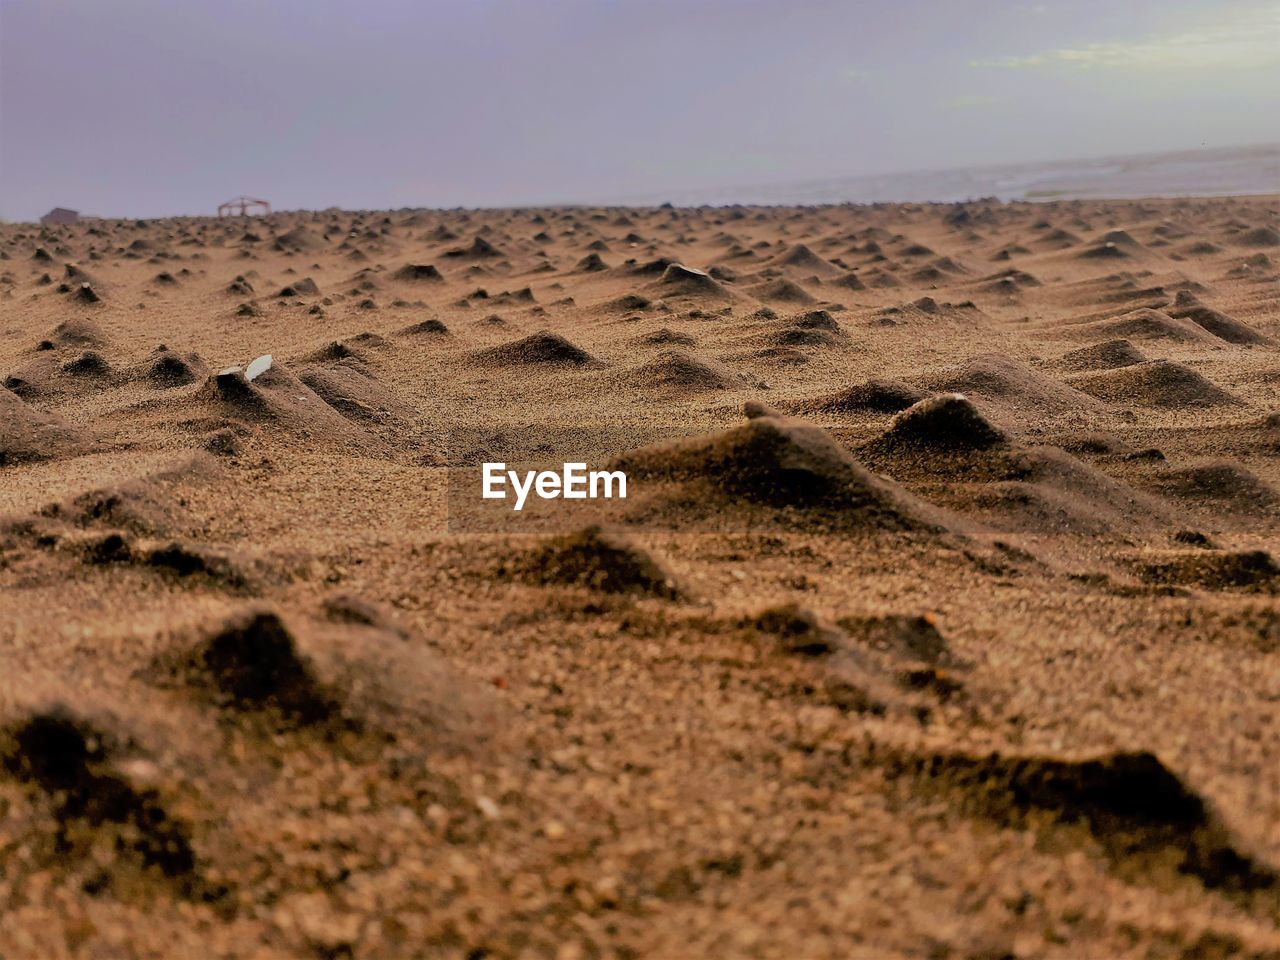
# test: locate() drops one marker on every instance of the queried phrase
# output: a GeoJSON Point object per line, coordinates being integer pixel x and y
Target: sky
{"type": "Point", "coordinates": [162, 107]}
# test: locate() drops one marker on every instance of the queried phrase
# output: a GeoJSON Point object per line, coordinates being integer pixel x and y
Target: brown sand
{"type": "Point", "coordinates": [943, 619]}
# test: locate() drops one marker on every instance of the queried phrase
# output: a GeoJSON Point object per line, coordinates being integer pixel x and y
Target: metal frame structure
{"type": "Point", "coordinates": [243, 207]}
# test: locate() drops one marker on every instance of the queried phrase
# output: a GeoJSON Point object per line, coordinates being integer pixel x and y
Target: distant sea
{"type": "Point", "coordinates": [1234, 171]}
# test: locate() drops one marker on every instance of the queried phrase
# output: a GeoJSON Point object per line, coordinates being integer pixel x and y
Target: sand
{"type": "Point", "coordinates": [941, 619]}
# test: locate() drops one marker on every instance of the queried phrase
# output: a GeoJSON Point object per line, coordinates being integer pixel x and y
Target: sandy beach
{"type": "Point", "coordinates": [941, 617]}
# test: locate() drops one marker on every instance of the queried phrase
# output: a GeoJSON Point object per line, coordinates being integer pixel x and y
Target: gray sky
{"type": "Point", "coordinates": [155, 107]}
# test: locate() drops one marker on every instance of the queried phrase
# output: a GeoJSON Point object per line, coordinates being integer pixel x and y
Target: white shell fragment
{"type": "Point", "coordinates": [258, 367]}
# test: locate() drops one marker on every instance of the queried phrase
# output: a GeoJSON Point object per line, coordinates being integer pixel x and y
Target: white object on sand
{"type": "Point", "coordinates": [258, 367]}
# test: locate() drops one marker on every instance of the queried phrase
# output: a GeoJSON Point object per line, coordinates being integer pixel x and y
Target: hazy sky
{"type": "Point", "coordinates": [153, 107]}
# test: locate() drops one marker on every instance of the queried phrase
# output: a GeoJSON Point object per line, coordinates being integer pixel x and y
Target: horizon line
{"type": "Point", "coordinates": [765, 185]}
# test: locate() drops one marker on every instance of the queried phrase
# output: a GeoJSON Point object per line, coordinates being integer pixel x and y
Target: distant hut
{"type": "Point", "coordinates": [60, 217]}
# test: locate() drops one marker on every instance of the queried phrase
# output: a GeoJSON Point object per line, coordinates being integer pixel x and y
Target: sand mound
{"type": "Point", "coordinates": [781, 291]}
{"type": "Point", "coordinates": [591, 263]}
{"type": "Point", "coordinates": [90, 364]}
{"type": "Point", "coordinates": [507, 297]}
{"type": "Point", "coordinates": [297, 240]}
{"type": "Point", "coordinates": [252, 662]}
{"type": "Point", "coordinates": [783, 462]}
{"type": "Point", "coordinates": [429, 326]}
{"type": "Point", "coordinates": [368, 339]}
{"type": "Point", "coordinates": [240, 287]}
{"type": "Point", "coordinates": [480, 249]}
{"type": "Point", "coordinates": [336, 351]}
{"type": "Point", "coordinates": [342, 675]}
{"type": "Point", "coordinates": [1260, 237]}
{"type": "Point", "coordinates": [1140, 813]}
{"type": "Point", "coordinates": [879, 278]}
{"type": "Point", "coordinates": [795, 630]}
{"type": "Point", "coordinates": [1250, 570]}
{"type": "Point", "coordinates": [73, 275]}
{"type": "Point", "coordinates": [1013, 385]}
{"type": "Point", "coordinates": [799, 337]}
{"type": "Point", "coordinates": [1045, 488]}
{"type": "Point", "coordinates": [1156, 383]}
{"type": "Point", "coordinates": [853, 677]}
{"type": "Point", "coordinates": [677, 280]}
{"type": "Point", "coordinates": [1203, 249]}
{"type": "Point", "coordinates": [194, 561]}
{"type": "Point", "coordinates": [800, 257]}
{"type": "Point", "coordinates": [947, 422]}
{"type": "Point", "coordinates": [154, 504]}
{"type": "Point", "coordinates": [850, 281]}
{"type": "Point", "coordinates": [306, 287]}
{"type": "Point", "coordinates": [927, 275]}
{"type": "Point", "coordinates": [877, 396]}
{"type": "Point", "coordinates": [1012, 488]}
{"type": "Point", "coordinates": [168, 369]}
{"type": "Point", "coordinates": [905, 636]}
{"type": "Point", "coordinates": [540, 348]}
{"type": "Point", "coordinates": [276, 395]}
{"type": "Point", "coordinates": [42, 377]}
{"type": "Point", "coordinates": [1115, 245]}
{"type": "Point", "coordinates": [651, 268]}
{"type": "Point", "coordinates": [1105, 251]}
{"type": "Point", "coordinates": [627, 303]}
{"type": "Point", "coordinates": [419, 273]}
{"type": "Point", "coordinates": [1108, 355]}
{"type": "Point", "coordinates": [1008, 281]}
{"type": "Point", "coordinates": [1145, 324]}
{"type": "Point", "coordinates": [85, 293]}
{"type": "Point", "coordinates": [75, 764]}
{"type": "Point", "coordinates": [351, 391]}
{"type": "Point", "coordinates": [350, 608]}
{"type": "Point", "coordinates": [1219, 481]}
{"type": "Point", "coordinates": [681, 372]}
{"type": "Point", "coordinates": [815, 320]}
{"type": "Point", "coordinates": [601, 559]}
{"type": "Point", "coordinates": [80, 332]}
{"type": "Point", "coordinates": [1187, 306]}
{"type": "Point", "coordinates": [223, 442]}
{"type": "Point", "coordinates": [846, 678]}
{"type": "Point", "coordinates": [27, 434]}
{"type": "Point", "coordinates": [1057, 240]}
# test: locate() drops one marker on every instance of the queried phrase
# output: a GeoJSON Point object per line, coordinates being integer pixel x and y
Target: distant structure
{"type": "Point", "coordinates": [243, 207]}
{"type": "Point", "coordinates": [60, 216]}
